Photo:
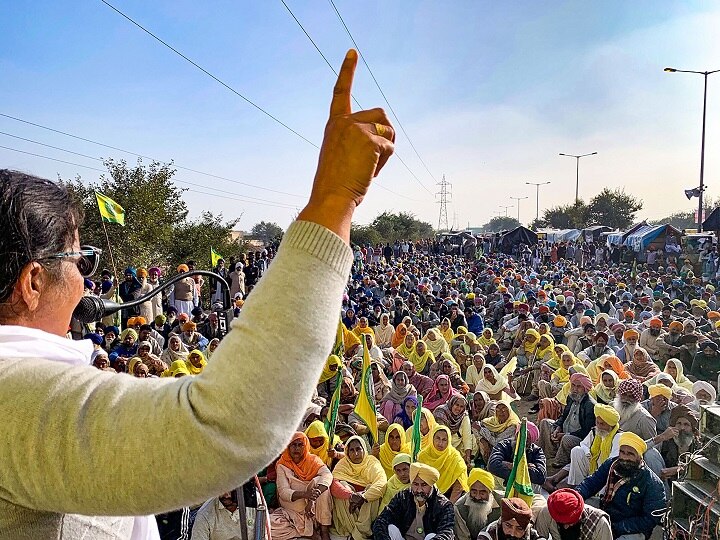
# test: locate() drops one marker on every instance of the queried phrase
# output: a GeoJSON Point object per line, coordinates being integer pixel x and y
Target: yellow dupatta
{"type": "Point", "coordinates": [368, 473]}
{"type": "Point", "coordinates": [191, 368]}
{"type": "Point", "coordinates": [315, 430]}
{"type": "Point", "coordinates": [492, 423]}
{"type": "Point", "coordinates": [327, 373]}
{"type": "Point", "coordinates": [486, 340]}
{"type": "Point", "coordinates": [601, 392]}
{"type": "Point", "coordinates": [427, 438]}
{"type": "Point", "coordinates": [448, 334]}
{"type": "Point", "coordinates": [387, 454]}
{"type": "Point", "coordinates": [421, 361]}
{"type": "Point", "coordinates": [438, 345]}
{"type": "Point", "coordinates": [601, 448]}
{"type": "Point", "coordinates": [549, 349]}
{"type": "Point", "coordinates": [449, 463]}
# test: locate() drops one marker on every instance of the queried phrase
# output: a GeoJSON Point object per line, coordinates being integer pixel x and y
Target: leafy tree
{"type": "Point", "coordinates": [364, 234]}
{"type": "Point", "coordinates": [267, 232]}
{"type": "Point", "coordinates": [568, 216]}
{"type": "Point", "coordinates": [389, 227]}
{"type": "Point", "coordinates": [500, 223]}
{"type": "Point", "coordinates": [613, 208]}
{"type": "Point", "coordinates": [686, 220]}
{"type": "Point", "coordinates": [154, 208]}
{"type": "Point", "coordinates": [194, 239]}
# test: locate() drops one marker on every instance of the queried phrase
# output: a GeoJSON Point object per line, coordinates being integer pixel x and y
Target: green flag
{"type": "Point", "coordinates": [339, 347]}
{"type": "Point", "coordinates": [332, 416]}
{"type": "Point", "coordinates": [365, 405]}
{"type": "Point", "coordinates": [416, 433]}
{"type": "Point", "coordinates": [110, 211]}
{"type": "Point", "coordinates": [518, 483]}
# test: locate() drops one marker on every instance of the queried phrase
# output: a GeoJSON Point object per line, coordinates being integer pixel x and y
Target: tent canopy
{"type": "Point", "coordinates": [519, 235]}
{"type": "Point", "coordinates": [559, 235]}
{"type": "Point", "coordinates": [643, 237]}
{"type": "Point", "coordinates": [712, 223]}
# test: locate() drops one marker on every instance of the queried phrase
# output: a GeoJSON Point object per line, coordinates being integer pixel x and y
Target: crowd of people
{"type": "Point", "coordinates": [610, 363]}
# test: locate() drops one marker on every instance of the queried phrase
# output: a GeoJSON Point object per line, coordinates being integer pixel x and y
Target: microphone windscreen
{"type": "Point", "coordinates": [89, 309]}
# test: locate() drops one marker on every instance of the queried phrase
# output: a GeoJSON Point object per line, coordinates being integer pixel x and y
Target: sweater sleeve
{"type": "Point", "coordinates": [79, 440]}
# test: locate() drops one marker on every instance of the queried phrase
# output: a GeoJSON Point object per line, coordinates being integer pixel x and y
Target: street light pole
{"type": "Point", "coordinates": [537, 196]}
{"type": "Point", "coordinates": [577, 171]}
{"type": "Point", "coordinates": [518, 199]}
{"type": "Point", "coordinates": [702, 141]}
{"type": "Point", "coordinates": [506, 208]}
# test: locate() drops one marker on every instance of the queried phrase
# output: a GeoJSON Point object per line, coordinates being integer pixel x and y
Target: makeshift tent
{"type": "Point", "coordinates": [559, 235]}
{"type": "Point", "coordinates": [592, 234]}
{"type": "Point", "coordinates": [618, 237]}
{"type": "Point", "coordinates": [651, 235]}
{"type": "Point", "coordinates": [712, 223]}
{"type": "Point", "coordinates": [519, 235]}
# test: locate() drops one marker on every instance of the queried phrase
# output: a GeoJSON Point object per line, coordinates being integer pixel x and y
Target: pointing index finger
{"type": "Point", "coordinates": [343, 87]}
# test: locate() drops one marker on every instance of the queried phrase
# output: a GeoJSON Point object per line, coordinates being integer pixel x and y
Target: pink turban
{"type": "Point", "coordinates": [581, 378]}
{"type": "Point", "coordinates": [533, 432]}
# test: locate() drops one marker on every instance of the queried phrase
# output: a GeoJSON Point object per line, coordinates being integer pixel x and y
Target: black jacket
{"type": "Point", "coordinates": [505, 451]}
{"type": "Point", "coordinates": [439, 516]}
{"type": "Point", "coordinates": [586, 416]}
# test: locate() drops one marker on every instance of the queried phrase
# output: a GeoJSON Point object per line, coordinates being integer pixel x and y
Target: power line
{"type": "Point", "coordinates": [146, 157]}
{"type": "Point", "coordinates": [206, 72]}
{"type": "Point", "coordinates": [279, 205]}
{"type": "Point", "coordinates": [353, 97]}
{"type": "Point", "coordinates": [382, 93]}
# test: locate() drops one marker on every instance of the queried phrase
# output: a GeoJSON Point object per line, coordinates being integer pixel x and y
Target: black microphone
{"type": "Point", "coordinates": [94, 308]}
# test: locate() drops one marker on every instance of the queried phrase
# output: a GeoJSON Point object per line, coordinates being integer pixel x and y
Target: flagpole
{"type": "Point", "coordinates": [112, 259]}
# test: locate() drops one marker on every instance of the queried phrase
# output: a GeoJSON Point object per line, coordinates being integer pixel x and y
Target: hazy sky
{"type": "Point", "coordinates": [489, 93]}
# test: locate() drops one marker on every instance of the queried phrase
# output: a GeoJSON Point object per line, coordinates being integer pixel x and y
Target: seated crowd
{"type": "Point", "coordinates": [616, 367]}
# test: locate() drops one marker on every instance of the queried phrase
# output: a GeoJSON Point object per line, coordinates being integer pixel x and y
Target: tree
{"type": "Point", "coordinates": [500, 223]}
{"type": "Point", "coordinates": [194, 239]}
{"type": "Point", "coordinates": [568, 216]}
{"type": "Point", "coordinates": [389, 227]}
{"type": "Point", "coordinates": [687, 220]}
{"type": "Point", "coordinates": [613, 208]}
{"type": "Point", "coordinates": [267, 232]}
{"type": "Point", "coordinates": [154, 208]}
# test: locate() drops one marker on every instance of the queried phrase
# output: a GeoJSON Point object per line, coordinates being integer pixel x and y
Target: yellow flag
{"type": "Point", "coordinates": [214, 257]}
{"type": "Point", "coordinates": [518, 483]}
{"type": "Point", "coordinates": [365, 405]}
{"type": "Point", "coordinates": [110, 211]}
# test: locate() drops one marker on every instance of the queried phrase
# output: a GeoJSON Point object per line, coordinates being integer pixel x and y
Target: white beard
{"type": "Point", "coordinates": [683, 440]}
{"type": "Point", "coordinates": [626, 411]}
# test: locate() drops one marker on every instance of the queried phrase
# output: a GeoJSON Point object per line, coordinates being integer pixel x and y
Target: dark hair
{"type": "Point", "coordinates": [38, 219]}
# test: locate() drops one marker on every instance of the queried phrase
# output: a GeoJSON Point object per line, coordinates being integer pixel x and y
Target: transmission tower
{"type": "Point", "coordinates": [444, 195]}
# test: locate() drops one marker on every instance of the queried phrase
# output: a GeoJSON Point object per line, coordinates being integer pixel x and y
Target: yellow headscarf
{"type": "Point", "coordinates": [317, 429]}
{"type": "Point", "coordinates": [421, 361]}
{"type": "Point", "coordinates": [438, 346]}
{"type": "Point", "coordinates": [426, 439]}
{"type": "Point", "coordinates": [387, 454]}
{"type": "Point", "coordinates": [681, 380]}
{"type": "Point", "coordinates": [563, 394]}
{"type": "Point", "coordinates": [350, 340]}
{"type": "Point", "coordinates": [492, 423]}
{"type": "Point", "coordinates": [563, 375]}
{"type": "Point", "coordinates": [449, 357]}
{"type": "Point", "coordinates": [327, 374]}
{"type": "Point", "coordinates": [449, 463]}
{"type": "Point", "coordinates": [531, 332]}
{"type": "Point", "coordinates": [133, 364]}
{"type": "Point", "coordinates": [602, 446]}
{"type": "Point", "coordinates": [404, 350]}
{"type": "Point", "coordinates": [178, 366]}
{"type": "Point", "coordinates": [549, 349]}
{"type": "Point", "coordinates": [601, 392]}
{"type": "Point", "coordinates": [486, 341]}
{"type": "Point", "coordinates": [192, 369]}
{"type": "Point", "coordinates": [448, 334]}
{"type": "Point", "coordinates": [368, 473]}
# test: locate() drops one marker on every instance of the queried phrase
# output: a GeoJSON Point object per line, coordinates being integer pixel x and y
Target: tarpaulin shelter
{"type": "Point", "coordinates": [559, 235]}
{"type": "Point", "coordinates": [519, 235]}
{"type": "Point", "coordinates": [712, 223]}
{"type": "Point", "coordinates": [592, 234]}
{"type": "Point", "coordinates": [651, 235]}
{"type": "Point", "coordinates": [618, 237]}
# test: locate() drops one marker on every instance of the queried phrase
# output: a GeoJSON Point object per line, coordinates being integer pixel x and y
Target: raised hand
{"type": "Point", "coordinates": [355, 148]}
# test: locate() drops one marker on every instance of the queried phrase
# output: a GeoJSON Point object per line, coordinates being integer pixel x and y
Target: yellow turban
{"type": "Point", "coordinates": [484, 477]}
{"type": "Point", "coordinates": [627, 438]}
{"type": "Point", "coordinates": [631, 332]}
{"type": "Point", "coordinates": [659, 390]}
{"type": "Point", "coordinates": [427, 474]}
{"type": "Point", "coordinates": [609, 415]}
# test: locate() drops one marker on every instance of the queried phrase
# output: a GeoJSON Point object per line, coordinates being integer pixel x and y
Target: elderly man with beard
{"type": "Point", "coordinates": [567, 517]}
{"type": "Point", "coordinates": [659, 405]}
{"type": "Point", "coordinates": [669, 345]}
{"type": "Point", "coordinates": [683, 436]}
{"type": "Point", "coordinates": [558, 437]}
{"type": "Point", "coordinates": [704, 393]}
{"type": "Point", "coordinates": [476, 509]}
{"type": "Point", "coordinates": [597, 349]}
{"type": "Point", "coordinates": [649, 336]}
{"type": "Point", "coordinates": [630, 339]}
{"type": "Point", "coordinates": [600, 444]}
{"type": "Point", "coordinates": [706, 364]}
{"type": "Point", "coordinates": [633, 416]}
{"type": "Point", "coordinates": [418, 513]}
{"type": "Point", "coordinates": [515, 522]}
{"type": "Point", "coordinates": [632, 492]}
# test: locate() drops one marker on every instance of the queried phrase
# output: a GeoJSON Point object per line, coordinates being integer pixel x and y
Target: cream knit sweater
{"type": "Point", "coordinates": [78, 442]}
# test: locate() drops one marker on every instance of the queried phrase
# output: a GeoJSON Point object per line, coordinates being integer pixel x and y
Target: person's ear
{"type": "Point", "coordinates": [29, 286]}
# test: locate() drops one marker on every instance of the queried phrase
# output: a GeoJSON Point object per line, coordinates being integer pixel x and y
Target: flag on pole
{"type": "Point", "coordinates": [339, 347]}
{"type": "Point", "coordinates": [110, 211]}
{"type": "Point", "coordinates": [518, 483]}
{"type": "Point", "coordinates": [633, 271]}
{"type": "Point", "coordinates": [214, 257]}
{"type": "Point", "coordinates": [365, 405]}
{"type": "Point", "coordinates": [332, 415]}
{"type": "Point", "coordinates": [416, 433]}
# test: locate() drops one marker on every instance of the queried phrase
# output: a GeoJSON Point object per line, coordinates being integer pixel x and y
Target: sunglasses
{"type": "Point", "coordinates": [87, 262]}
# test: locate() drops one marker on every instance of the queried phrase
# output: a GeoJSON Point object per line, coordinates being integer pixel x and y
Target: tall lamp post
{"type": "Point", "coordinates": [702, 143]}
{"type": "Point", "coordinates": [537, 196]}
{"type": "Point", "coordinates": [518, 199]}
{"type": "Point", "coordinates": [577, 170]}
{"type": "Point", "coordinates": [506, 208]}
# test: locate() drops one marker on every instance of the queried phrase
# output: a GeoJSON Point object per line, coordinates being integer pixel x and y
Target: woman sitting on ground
{"type": "Point", "coordinates": [447, 460]}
